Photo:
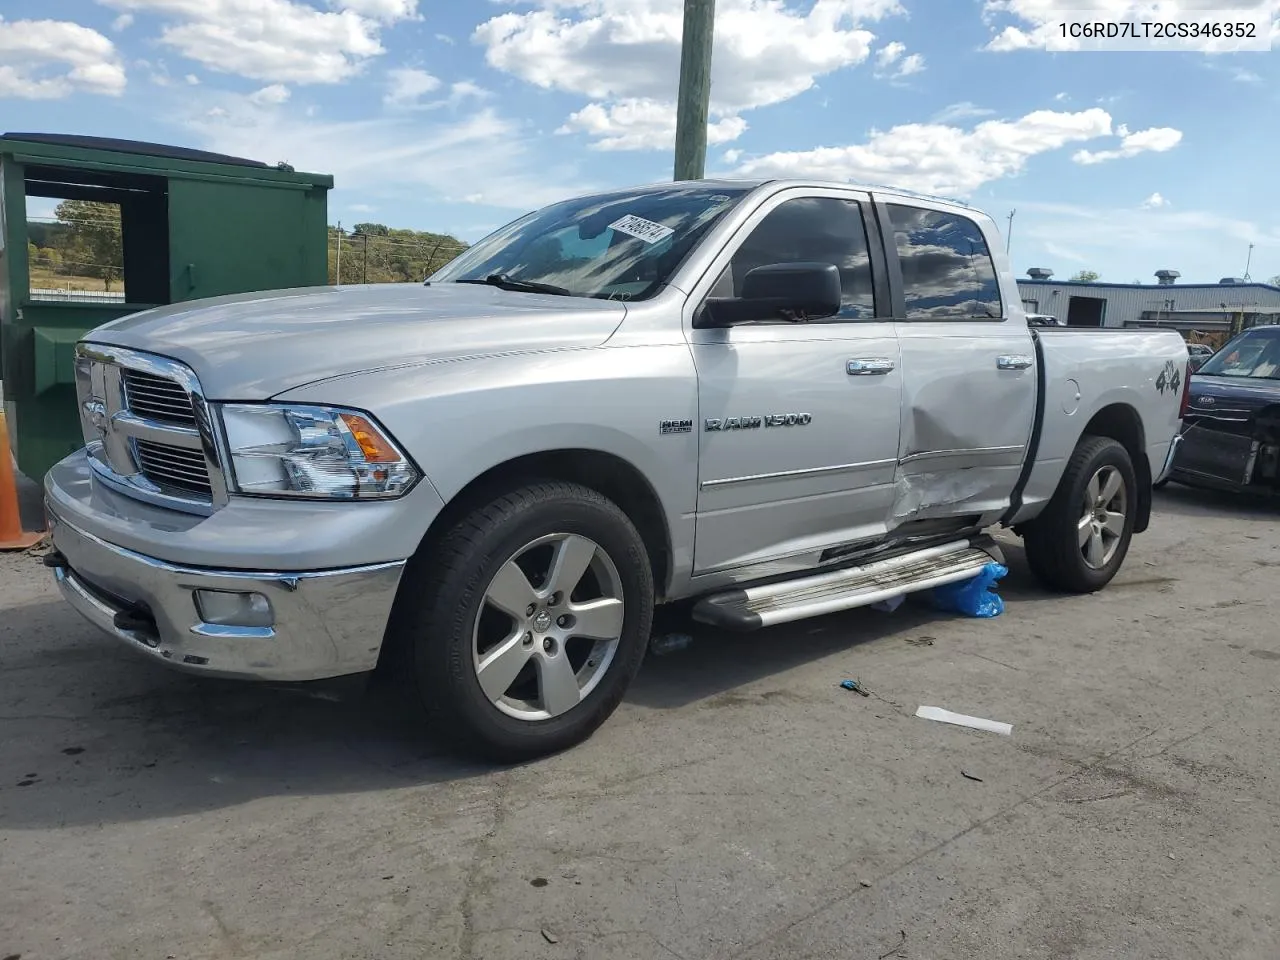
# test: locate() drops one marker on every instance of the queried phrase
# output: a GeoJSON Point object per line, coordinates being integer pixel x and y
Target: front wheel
{"type": "Point", "coordinates": [527, 621]}
{"type": "Point", "coordinates": [1080, 540]}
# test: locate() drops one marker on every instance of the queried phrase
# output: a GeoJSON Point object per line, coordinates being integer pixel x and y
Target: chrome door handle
{"type": "Point", "coordinates": [869, 367]}
{"type": "Point", "coordinates": [1014, 362]}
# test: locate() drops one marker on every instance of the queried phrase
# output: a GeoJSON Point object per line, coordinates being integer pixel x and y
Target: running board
{"type": "Point", "coordinates": [846, 588]}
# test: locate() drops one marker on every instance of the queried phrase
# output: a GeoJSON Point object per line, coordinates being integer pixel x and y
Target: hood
{"type": "Point", "coordinates": [251, 346]}
{"type": "Point", "coordinates": [1231, 396]}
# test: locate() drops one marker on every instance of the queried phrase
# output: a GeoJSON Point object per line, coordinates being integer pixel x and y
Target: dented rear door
{"type": "Point", "coordinates": [969, 375]}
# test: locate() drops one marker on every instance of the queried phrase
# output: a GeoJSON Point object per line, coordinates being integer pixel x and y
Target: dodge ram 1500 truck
{"type": "Point", "coordinates": [767, 400]}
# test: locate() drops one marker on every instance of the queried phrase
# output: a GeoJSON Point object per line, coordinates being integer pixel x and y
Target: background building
{"type": "Point", "coordinates": [1201, 311]}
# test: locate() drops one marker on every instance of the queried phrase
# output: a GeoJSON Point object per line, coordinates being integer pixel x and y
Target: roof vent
{"type": "Point", "coordinates": [1166, 277]}
{"type": "Point", "coordinates": [1039, 273]}
{"type": "Point", "coordinates": [1232, 281]}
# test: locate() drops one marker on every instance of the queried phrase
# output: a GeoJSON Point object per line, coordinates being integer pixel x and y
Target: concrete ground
{"type": "Point", "coordinates": [738, 805]}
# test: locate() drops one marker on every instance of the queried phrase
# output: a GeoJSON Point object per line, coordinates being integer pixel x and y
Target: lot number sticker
{"type": "Point", "coordinates": [641, 229]}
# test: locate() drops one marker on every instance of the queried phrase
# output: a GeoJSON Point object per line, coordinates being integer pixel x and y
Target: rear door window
{"type": "Point", "coordinates": [947, 270]}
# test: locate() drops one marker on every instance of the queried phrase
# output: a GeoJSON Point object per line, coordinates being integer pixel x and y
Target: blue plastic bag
{"type": "Point", "coordinates": [975, 597]}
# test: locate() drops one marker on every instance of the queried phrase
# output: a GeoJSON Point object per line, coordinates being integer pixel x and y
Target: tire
{"type": "Point", "coordinates": [1057, 549]}
{"type": "Point", "coordinates": [463, 615]}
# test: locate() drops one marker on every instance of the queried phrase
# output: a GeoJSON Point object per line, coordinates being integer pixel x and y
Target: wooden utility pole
{"type": "Point", "coordinates": [694, 98]}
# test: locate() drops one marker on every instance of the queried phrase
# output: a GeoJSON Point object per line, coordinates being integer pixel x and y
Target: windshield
{"type": "Point", "coordinates": [617, 246]}
{"type": "Point", "coordinates": [1252, 354]}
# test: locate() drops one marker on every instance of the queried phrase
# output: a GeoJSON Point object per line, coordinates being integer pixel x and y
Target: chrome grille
{"type": "Point", "coordinates": [158, 398]}
{"type": "Point", "coordinates": [147, 428]}
{"type": "Point", "coordinates": [173, 468]}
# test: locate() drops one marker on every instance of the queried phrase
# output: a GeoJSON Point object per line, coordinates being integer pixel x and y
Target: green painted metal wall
{"type": "Point", "coordinates": [216, 228]}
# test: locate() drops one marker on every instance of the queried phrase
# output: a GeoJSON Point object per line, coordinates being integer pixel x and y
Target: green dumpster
{"type": "Point", "coordinates": [141, 225]}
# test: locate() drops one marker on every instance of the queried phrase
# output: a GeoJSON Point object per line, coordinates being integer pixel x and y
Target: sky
{"type": "Point", "coordinates": [457, 117]}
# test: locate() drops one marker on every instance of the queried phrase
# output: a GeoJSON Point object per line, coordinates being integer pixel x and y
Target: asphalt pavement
{"type": "Point", "coordinates": [739, 805]}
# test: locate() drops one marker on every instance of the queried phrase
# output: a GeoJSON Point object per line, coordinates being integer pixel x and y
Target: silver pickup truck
{"type": "Point", "coordinates": [765, 400]}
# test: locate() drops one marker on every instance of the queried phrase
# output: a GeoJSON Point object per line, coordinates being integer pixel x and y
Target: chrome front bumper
{"type": "Point", "coordinates": [326, 623]}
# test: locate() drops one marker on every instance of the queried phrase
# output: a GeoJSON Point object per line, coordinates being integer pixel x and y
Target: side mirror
{"type": "Point", "coordinates": [795, 292]}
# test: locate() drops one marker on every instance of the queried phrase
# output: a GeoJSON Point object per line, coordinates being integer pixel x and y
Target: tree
{"type": "Point", "coordinates": [389, 254]}
{"type": "Point", "coordinates": [1085, 276]}
{"type": "Point", "coordinates": [92, 238]}
{"type": "Point", "coordinates": [1275, 281]}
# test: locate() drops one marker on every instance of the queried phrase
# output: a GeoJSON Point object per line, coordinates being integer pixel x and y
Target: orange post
{"type": "Point", "coordinates": [11, 535]}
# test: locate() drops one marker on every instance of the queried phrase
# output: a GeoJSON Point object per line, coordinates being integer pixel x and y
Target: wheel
{"type": "Point", "coordinates": [526, 622]}
{"type": "Point", "coordinates": [1080, 540]}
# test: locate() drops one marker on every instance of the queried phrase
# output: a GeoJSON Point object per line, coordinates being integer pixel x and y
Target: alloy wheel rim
{"type": "Point", "coordinates": [549, 626]}
{"type": "Point", "coordinates": [1102, 522]}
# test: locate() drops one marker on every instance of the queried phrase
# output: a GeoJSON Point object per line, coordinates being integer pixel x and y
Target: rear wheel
{"type": "Point", "coordinates": [1080, 540]}
{"type": "Point", "coordinates": [527, 621]}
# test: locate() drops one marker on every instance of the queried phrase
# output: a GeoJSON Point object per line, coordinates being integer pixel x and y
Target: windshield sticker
{"type": "Point", "coordinates": [641, 229]}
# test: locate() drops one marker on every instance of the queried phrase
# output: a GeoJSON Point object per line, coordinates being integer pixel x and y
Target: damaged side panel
{"type": "Point", "coordinates": [966, 420]}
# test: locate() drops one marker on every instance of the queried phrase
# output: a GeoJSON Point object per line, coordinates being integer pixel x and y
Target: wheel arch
{"type": "Point", "coordinates": [606, 473]}
{"type": "Point", "coordinates": [1122, 422]}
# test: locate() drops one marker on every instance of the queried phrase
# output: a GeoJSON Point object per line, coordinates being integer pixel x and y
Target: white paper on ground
{"type": "Point", "coordinates": [978, 723]}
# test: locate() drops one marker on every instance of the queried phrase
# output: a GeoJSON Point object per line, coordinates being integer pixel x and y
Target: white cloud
{"type": "Point", "coordinates": [1135, 241]}
{"type": "Point", "coordinates": [408, 89]}
{"type": "Point", "coordinates": [960, 111]}
{"type": "Point", "coordinates": [482, 156]}
{"type": "Point", "coordinates": [891, 64]}
{"type": "Point", "coordinates": [912, 63]}
{"type": "Point", "coordinates": [406, 86]}
{"type": "Point", "coordinates": [192, 80]}
{"type": "Point", "coordinates": [445, 38]}
{"type": "Point", "coordinates": [122, 22]}
{"type": "Point", "coordinates": [387, 11]}
{"type": "Point", "coordinates": [1063, 96]}
{"type": "Point", "coordinates": [938, 158]}
{"type": "Point", "coordinates": [1155, 140]}
{"type": "Point", "coordinates": [51, 59]}
{"type": "Point", "coordinates": [273, 95]}
{"type": "Point", "coordinates": [642, 125]}
{"type": "Point", "coordinates": [1066, 253]}
{"type": "Point", "coordinates": [464, 90]}
{"type": "Point", "coordinates": [890, 52]}
{"type": "Point", "coordinates": [1237, 73]}
{"type": "Point", "coordinates": [732, 156]}
{"type": "Point", "coordinates": [619, 53]}
{"type": "Point", "coordinates": [275, 41]}
{"type": "Point", "coordinates": [1038, 19]}
{"type": "Point", "coordinates": [1154, 202]}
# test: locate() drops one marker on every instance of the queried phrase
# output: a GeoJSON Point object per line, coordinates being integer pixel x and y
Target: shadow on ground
{"type": "Point", "coordinates": [718, 661]}
{"type": "Point", "coordinates": [1179, 501]}
{"type": "Point", "coordinates": [94, 734]}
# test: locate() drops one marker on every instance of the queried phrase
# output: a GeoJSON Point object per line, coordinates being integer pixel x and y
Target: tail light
{"type": "Point", "coordinates": [1186, 394]}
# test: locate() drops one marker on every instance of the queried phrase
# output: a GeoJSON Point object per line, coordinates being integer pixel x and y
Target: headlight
{"type": "Point", "coordinates": [287, 450]}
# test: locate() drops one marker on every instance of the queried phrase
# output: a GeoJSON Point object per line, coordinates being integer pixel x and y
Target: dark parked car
{"type": "Point", "coordinates": [1199, 353]}
{"type": "Point", "coordinates": [1231, 431]}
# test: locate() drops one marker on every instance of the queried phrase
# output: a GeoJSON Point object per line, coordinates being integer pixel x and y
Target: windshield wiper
{"type": "Point", "coordinates": [504, 282]}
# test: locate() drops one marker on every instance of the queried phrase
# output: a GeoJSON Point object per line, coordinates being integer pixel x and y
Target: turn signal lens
{"type": "Point", "coordinates": [376, 447]}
